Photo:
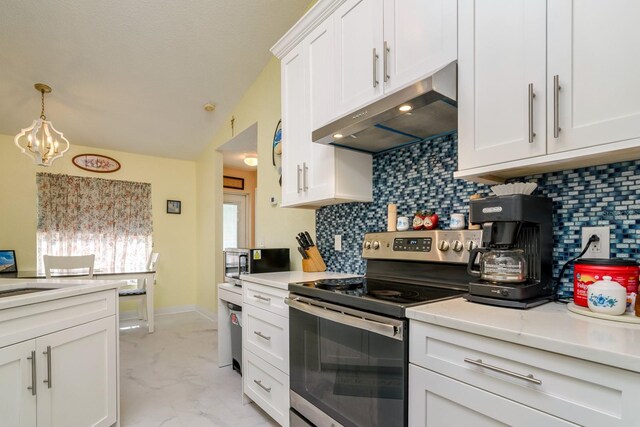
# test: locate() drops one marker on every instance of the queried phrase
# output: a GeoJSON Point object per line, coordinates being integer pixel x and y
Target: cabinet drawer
{"type": "Point", "coordinates": [267, 335]}
{"type": "Point", "coordinates": [267, 386]}
{"type": "Point", "coordinates": [435, 400]}
{"type": "Point", "coordinates": [31, 321]}
{"type": "Point", "coordinates": [576, 390]}
{"type": "Point", "coordinates": [265, 297]}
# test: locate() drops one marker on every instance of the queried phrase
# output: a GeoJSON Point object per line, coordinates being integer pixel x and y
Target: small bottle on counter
{"type": "Point", "coordinates": [392, 216]}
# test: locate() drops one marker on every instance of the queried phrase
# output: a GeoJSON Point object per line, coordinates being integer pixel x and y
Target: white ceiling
{"type": "Point", "coordinates": [134, 75]}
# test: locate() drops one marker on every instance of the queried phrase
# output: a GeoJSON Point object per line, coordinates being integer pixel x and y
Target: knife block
{"type": "Point", "coordinates": [314, 262]}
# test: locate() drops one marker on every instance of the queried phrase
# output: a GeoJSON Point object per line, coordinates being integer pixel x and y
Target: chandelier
{"type": "Point", "coordinates": [41, 141]}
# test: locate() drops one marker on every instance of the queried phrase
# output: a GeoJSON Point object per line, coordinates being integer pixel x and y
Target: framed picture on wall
{"type": "Point", "coordinates": [8, 262]}
{"type": "Point", "coordinates": [174, 207]}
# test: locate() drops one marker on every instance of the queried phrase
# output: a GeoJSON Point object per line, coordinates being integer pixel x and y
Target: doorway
{"type": "Point", "coordinates": [236, 226]}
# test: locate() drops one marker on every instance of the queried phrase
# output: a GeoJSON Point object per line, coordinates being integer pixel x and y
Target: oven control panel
{"type": "Point", "coordinates": [451, 246]}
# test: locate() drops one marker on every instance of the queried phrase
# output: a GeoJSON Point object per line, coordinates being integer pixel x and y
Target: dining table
{"type": "Point", "coordinates": [100, 274]}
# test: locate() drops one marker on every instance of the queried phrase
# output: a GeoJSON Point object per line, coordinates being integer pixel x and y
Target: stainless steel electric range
{"type": "Point", "coordinates": [349, 338]}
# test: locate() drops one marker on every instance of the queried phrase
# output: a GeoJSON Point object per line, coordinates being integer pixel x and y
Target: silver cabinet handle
{"type": "Point", "coordinates": [529, 377]}
{"type": "Point", "coordinates": [305, 173]}
{"type": "Point", "coordinates": [375, 68]}
{"type": "Point", "coordinates": [48, 381]}
{"type": "Point", "coordinates": [556, 106]}
{"type": "Point", "coordinates": [260, 334]}
{"type": "Point", "coordinates": [532, 95]}
{"type": "Point", "coordinates": [33, 373]}
{"type": "Point", "coordinates": [259, 382]}
{"type": "Point", "coordinates": [261, 298]}
{"type": "Point", "coordinates": [385, 61]}
{"type": "Point", "coordinates": [298, 176]}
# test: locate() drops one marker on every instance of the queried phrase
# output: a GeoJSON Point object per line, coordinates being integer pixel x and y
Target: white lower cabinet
{"type": "Point", "coordinates": [66, 378]}
{"type": "Point", "coordinates": [436, 401]}
{"type": "Point", "coordinates": [457, 376]}
{"type": "Point", "coordinates": [265, 349]}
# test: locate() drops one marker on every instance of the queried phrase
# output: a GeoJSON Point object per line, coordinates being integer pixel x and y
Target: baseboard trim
{"type": "Point", "coordinates": [206, 313]}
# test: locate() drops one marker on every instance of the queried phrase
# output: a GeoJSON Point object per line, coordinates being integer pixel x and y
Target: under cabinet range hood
{"type": "Point", "coordinates": [422, 110]}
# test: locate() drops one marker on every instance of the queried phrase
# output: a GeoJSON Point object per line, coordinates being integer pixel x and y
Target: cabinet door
{"type": "Point", "coordinates": [593, 51]}
{"type": "Point", "coordinates": [436, 400]}
{"type": "Point", "coordinates": [17, 402]}
{"type": "Point", "coordinates": [358, 35]}
{"type": "Point", "coordinates": [81, 372]}
{"type": "Point", "coordinates": [421, 36]}
{"type": "Point", "coordinates": [501, 55]}
{"type": "Point", "coordinates": [320, 46]}
{"type": "Point", "coordinates": [294, 138]}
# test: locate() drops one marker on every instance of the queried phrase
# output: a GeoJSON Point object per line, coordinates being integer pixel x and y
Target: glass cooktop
{"type": "Point", "coordinates": [377, 296]}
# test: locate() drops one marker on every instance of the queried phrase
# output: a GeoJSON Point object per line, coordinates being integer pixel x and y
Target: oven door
{"type": "Point", "coordinates": [348, 367]}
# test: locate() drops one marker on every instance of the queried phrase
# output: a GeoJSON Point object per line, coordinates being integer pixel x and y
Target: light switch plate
{"type": "Point", "coordinates": [601, 248]}
{"type": "Point", "coordinates": [337, 242]}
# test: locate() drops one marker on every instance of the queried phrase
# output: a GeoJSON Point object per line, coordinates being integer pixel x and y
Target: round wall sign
{"type": "Point", "coordinates": [96, 163]}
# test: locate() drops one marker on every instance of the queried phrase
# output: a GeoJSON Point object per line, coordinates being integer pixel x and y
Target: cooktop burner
{"type": "Point", "coordinates": [377, 296]}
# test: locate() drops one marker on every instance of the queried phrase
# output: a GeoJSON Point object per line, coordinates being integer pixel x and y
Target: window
{"type": "Point", "coordinates": [108, 218]}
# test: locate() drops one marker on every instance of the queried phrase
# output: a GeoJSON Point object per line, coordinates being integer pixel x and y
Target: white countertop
{"type": "Point", "coordinates": [63, 288]}
{"type": "Point", "coordinates": [282, 279]}
{"type": "Point", "coordinates": [548, 327]}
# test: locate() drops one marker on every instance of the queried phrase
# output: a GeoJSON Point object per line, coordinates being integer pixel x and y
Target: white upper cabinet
{"type": "Point", "coordinates": [321, 60]}
{"type": "Point", "coordinates": [385, 45]}
{"type": "Point", "coordinates": [358, 53]}
{"type": "Point", "coordinates": [502, 81]}
{"type": "Point", "coordinates": [581, 60]}
{"type": "Point", "coordinates": [420, 36]}
{"type": "Point", "coordinates": [594, 56]}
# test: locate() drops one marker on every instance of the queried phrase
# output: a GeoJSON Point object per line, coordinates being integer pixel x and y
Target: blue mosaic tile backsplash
{"type": "Point", "coordinates": [420, 177]}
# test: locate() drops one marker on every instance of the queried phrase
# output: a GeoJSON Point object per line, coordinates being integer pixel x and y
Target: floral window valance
{"type": "Point", "coordinates": [110, 218]}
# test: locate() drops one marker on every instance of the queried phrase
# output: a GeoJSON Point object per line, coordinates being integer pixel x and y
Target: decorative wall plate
{"type": "Point", "coordinates": [96, 163]}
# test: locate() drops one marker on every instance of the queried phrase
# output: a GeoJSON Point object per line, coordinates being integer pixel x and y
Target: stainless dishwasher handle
{"type": "Point", "coordinates": [480, 363]}
{"type": "Point", "coordinates": [346, 316]}
{"type": "Point", "coordinates": [48, 381]}
{"type": "Point", "coordinates": [261, 298]}
{"type": "Point", "coordinates": [261, 335]}
{"type": "Point", "coordinates": [32, 387]}
{"type": "Point", "coordinates": [259, 382]}
{"type": "Point", "coordinates": [556, 106]}
{"type": "Point", "coordinates": [532, 95]}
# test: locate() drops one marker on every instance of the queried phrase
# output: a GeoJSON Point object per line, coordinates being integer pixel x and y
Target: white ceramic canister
{"type": "Point", "coordinates": [403, 223]}
{"type": "Point", "coordinates": [607, 297]}
{"type": "Point", "coordinates": [457, 221]}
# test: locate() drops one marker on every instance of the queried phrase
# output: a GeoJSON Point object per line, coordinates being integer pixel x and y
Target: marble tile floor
{"type": "Point", "coordinates": [171, 378]}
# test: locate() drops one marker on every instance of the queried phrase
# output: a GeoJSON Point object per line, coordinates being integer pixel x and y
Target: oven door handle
{"type": "Point", "coordinates": [358, 319]}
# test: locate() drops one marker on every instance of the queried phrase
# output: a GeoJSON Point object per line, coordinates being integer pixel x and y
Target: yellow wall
{"type": "Point", "coordinates": [250, 184]}
{"type": "Point", "coordinates": [275, 226]}
{"type": "Point", "coordinates": [173, 235]}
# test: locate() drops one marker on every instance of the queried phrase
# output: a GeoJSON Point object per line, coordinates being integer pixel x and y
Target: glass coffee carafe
{"type": "Point", "coordinates": [499, 265]}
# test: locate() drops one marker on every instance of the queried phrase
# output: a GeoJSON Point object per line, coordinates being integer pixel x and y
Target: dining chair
{"type": "Point", "coordinates": [80, 267]}
{"type": "Point", "coordinates": [140, 293]}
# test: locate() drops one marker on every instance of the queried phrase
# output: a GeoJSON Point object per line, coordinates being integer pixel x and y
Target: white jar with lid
{"type": "Point", "coordinates": [607, 297]}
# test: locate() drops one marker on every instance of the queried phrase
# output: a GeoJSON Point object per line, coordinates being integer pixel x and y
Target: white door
{"type": "Point", "coordinates": [294, 127]}
{"type": "Point", "coordinates": [358, 27]}
{"type": "Point", "coordinates": [594, 52]}
{"type": "Point", "coordinates": [17, 401]}
{"type": "Point", "coordinates": [502, 81]}
{"type": "Point", "coordinates": [235, 221]}
{"type": "Point", "coordinates": [421, 36]}
{"type": "Point", "coordinates": [320, 61]}
{"type": "Point", "coordinates": [79, 365]}
{"type": "Point", "coordinates": [436, 400]}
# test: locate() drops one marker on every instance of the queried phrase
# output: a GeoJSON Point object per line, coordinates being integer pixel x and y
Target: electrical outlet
{"type": "Point", "coordinates": [599, 249]}
{"type": "Point", "coordinates": [337, 242]}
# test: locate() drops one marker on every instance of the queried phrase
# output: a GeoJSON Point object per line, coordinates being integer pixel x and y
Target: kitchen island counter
{"type": "Point", "coordinates": [548, 327]}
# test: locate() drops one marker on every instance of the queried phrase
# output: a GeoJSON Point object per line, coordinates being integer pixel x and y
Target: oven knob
{"type": "Point", "coordinates": [443, 245]}
{"type": "Point", "coordinates": [367, 244]}
{"type": "Point", "coordinates": [457, 246]}
{"type": "Point", "coordinates": [376, 245]}
{"type": "Point", "coordinates": [470, 245]}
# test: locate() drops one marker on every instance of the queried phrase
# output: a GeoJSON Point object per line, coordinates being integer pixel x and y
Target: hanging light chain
{"type": "Point", "coordinates": [42, 116]}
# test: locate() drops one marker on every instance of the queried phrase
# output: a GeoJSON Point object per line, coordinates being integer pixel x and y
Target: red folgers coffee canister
{"type": "Point", "coordinates": [587, 271]}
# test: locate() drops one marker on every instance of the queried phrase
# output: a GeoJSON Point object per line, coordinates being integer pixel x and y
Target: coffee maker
{"type": "Point", "coordinates": [515, 265]}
